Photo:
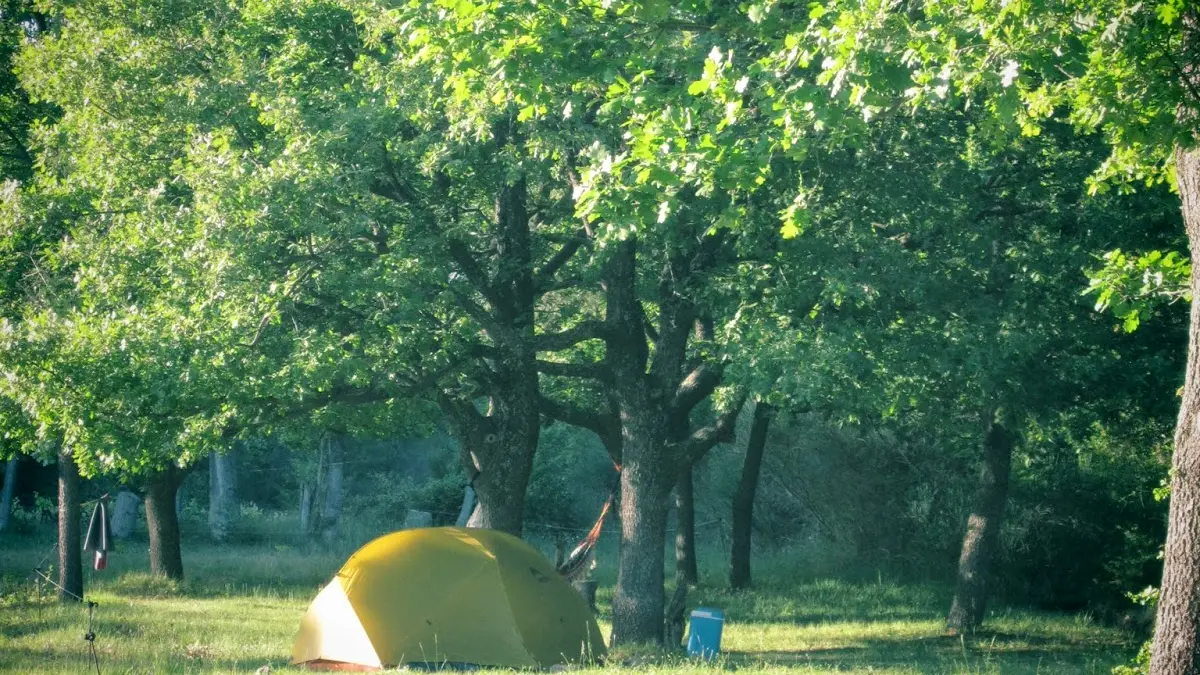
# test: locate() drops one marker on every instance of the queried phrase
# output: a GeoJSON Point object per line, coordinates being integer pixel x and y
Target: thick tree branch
{"type": "Point", "coordinates": [339, 395]}
{"type": "Point", "coordinates": [18, 144]}
{"type": "Point", "coordinates": [696, 387]}
{"type": "Point", "coordinates": [468, 423]}
{"type": "Point", "coordinates": [580, 332]}
{"type": "Point", "coordinates": [482, 351]}
{"type": "Point", "coordinates": [1006, 211]}
{"type": "Point", "coordinates": [462, 256]}
{"type": "Point", "coordinates": [480, 314]}
{"type": "Point", "coordinates": [379, 239]}
{"type": "Point", "coordinates": [342, 394]}
{"type": "Point", "coordinates": [395, 191]}
{"type": "Point", "coordinates": [720, 431]}
{"type": "Point", "coordinates": [594, 371]}
{"type": "Point", "coordinates": [544, 277]}
{"type": "Point", "coordinates": [689, 26]}
{"type": "Point", "coordinates": [287, 293]}
{"type": "Point", "coordinates": [604, 423]}
{"type": "Point", "coordinates": [676, 315]}
{"type": "Point", "coordinates": [648, 327]}
{"type": "Point", "coordinates": [562, 283]}
{"type": "Point", "coordinates": [348, 395]}
{"type": "Point", "coordinates": [395, 188]}
{"type": "Point", "coordinates": [458, 411]}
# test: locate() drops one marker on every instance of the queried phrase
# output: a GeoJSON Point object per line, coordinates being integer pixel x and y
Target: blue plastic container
{"type": "Point", "coordinates": [704, 632]}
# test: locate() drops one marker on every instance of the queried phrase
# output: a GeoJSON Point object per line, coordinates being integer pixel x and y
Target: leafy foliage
{"type": "Point", "coordinates": [1131, 285]}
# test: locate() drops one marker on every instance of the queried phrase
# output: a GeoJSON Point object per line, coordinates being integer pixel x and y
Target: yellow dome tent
{"type": "Point", "coordinates": [447, 595]}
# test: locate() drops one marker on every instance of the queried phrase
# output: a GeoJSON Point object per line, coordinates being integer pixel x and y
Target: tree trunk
{"type": "Point", "coordinates": [646, 476]}
{"type": "Point", "coordinates": [1176, 647]}
{"type": "Point", "coordinates": [497, 448]}
{"type": "Point", "coordinates": [306, 503]}
{"type": "Point", "coordinates": [639, 596]}
{"type": "Point", "coordinates": [6, 494]}
{"type": "Point", "coordinates": [743, 499]}
{"type": "Point", "coordinates": [70, 556]}
{"type": "Point", "coordinates": [125, 509]}
{"type": "Point", "coordinates": [685, 527]}
{"type": "Point", "coordinates": [468, 507]}
{"type": "Point", "coordinates": [223, 507]}
{"type": "Point", "coordinates": [476, 518]}
{"type": "Point", "coordinates": [983, 530]}
{"type": "Point", "coordinates": [500, 487]}
{"type": "Point", "coordinates": [166, 556]}
{"type": "Point", "coordinates": [314, 500]}
{"type": "Point", "coordinates": [653, 398]}
{"type": "Point", "coordinates": [331, 510]}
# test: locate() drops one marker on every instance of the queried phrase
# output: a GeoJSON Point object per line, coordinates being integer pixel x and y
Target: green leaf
{"type": "Point", "coordinates": [1168, 12]}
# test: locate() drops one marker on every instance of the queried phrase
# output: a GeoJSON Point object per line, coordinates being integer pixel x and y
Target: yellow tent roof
{"type": "Point", "coordinates": [447, 595]}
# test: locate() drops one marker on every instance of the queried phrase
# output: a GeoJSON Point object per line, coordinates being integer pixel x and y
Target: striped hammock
{"type": "Point", "coordinates": [579, 561]}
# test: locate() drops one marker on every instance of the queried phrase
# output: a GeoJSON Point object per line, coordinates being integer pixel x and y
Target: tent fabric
{"type": "Point", "coordinates": [447, 595]}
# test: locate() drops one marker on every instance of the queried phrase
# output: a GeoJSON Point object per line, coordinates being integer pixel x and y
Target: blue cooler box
{"type": "Point", "coordinates": [704, 632]}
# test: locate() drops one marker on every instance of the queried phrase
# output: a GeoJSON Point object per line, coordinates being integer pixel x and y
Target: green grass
{"type": "Point", "coordinates": [240, 607]}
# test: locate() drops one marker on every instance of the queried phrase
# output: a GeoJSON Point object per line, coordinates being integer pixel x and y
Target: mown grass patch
{"type": "Point", "coordinates": [240, 607]}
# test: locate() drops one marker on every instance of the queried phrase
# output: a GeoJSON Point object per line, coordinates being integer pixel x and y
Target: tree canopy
{"type": "Point", "coordinates": [352, 216]}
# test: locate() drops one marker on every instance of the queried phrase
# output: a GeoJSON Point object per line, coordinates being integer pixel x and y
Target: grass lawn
{"type": "Point", "coordinates": [241, 605]}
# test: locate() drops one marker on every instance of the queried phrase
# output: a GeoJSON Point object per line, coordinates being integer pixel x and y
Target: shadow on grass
{"type": "Point", "coordinates": [53, 620]}
{"type": "Point", "coordinates": [815, 602]}
{"type": "Point", "coordinates": [998, 652]}
{"type": "Point", "coordinates": [247, 599]}
{"type": "Point", "coordinates": [81, 662]}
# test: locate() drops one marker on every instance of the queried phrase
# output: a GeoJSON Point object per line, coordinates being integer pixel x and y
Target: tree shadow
{"type": "Point", "coordinates": [104, 626]}
{"type": "Point", "coordinates": [13, 659]}
{"type": "Point", "coordinates": [1002, 652]}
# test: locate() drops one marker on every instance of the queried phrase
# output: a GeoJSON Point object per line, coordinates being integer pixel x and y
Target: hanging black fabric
{"type": "Point", "coordinates": [97, 534]}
